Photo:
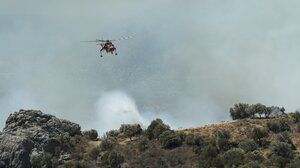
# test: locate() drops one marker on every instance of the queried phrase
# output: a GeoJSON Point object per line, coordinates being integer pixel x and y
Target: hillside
{"type": "Point", "coordinates": [226, 144]}
{"type": "Point", "coordinates": [34, 139]}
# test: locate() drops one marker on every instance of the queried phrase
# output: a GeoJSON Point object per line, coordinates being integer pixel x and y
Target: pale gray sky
{"type": "Point", "coordinates": [191, 60]}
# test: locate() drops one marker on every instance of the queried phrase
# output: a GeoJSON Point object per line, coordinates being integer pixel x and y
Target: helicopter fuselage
{"type": "Point", "coordinates": [108, 47]}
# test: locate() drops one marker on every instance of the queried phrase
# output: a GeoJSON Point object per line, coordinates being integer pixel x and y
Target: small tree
{"type": "Point", "coordinates": [170, 139]}
{"type": "Point", "coordinates": [286, 137]}
{"type": "Point", "coordinates": [156, 128]}
{"type": "Point", "coordinates": [296, 117]}
{"type": "Point", "coordinates": [260, 109]}
{"type": "Point", "coordinates": [239, 111]}
{"type": "Point", "coordinates": [91, 134]}
{"type": "Point", "coordinates": [107, 143]}
{"type": "Point", "coordinates": [207, 155]}
{"type": "Point", "coordinates": [233, 157]}
{"type": "Point", "coordinates": [222, 140]}
{"type": "Point", "coordinates": [143, 144]}
{"type": "Point", "coordinates": [284, 125]}
{"type": "Point", "coordinates": [248, 145]}
{"type": "Point", "coordinates": [115, 159]}
{"type": "Point", "coordinates": [273, 126]}
{"type": "Point", "coordinates": [251, 164]}
{"type": "Point", "coordinates": [254, 156]}
{"type": "Point", "coordinates": [281, 153]}
{"type": "Point", "coordinates": [258, 134]}
{"type": "Point", "coordinates": [130, 130]}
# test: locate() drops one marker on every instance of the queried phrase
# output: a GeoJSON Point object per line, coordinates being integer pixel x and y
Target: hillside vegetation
{"type": "Point", "coordinates": [262, 137]}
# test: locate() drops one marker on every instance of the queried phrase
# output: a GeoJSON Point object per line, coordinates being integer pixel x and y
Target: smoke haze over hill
{"type": "Point", "coordinates": [189, 61]}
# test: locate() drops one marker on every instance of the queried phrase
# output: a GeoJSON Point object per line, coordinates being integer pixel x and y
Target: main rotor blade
{"type": "Point", "coordinates": [123, 38]}
{"type": "Point", "coordinates": [95, 41]}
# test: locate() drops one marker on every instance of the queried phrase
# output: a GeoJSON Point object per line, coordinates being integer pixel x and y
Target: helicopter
{"type": "Point", "coordinates": [107, 45]}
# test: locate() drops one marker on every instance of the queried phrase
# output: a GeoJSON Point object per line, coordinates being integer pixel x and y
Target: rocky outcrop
{"type": "Point", "coordinates": [31, 132]}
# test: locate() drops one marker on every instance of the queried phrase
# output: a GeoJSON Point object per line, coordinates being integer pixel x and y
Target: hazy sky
{"type": "Point", "coordinates": [189, 60]}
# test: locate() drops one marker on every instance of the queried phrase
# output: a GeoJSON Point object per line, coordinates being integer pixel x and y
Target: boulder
{"type": "Point", "coordinates": [26, 130]}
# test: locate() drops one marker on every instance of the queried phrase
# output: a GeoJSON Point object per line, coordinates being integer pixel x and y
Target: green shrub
{"type": "Point", "coordinates": [93, 154]}
{"type": "Point", "coordinates": [239, 111]}
{"type": "Point", "coordinates": [207, 156]}
{"type": "Point", "coordinates": [222, 140]}
{"type": "Point", "coordinates": [42, 160]}
{"type": "Point", "coordinates": [143, 144]}
{"type": "Point", "coordinates": [296, 117]}
{"type": "Point", "coordinates": [254, 156]}
{"type": "Point", "coordinates": [209, 152]}
{"type": "Point", "coordinates": [162, 163]}
{"type": "Point", "coordinates": [252, 164]}
{"type": "Point", "coordinates": [156, 128]}
{"type": "Point", "coordinates": [284, 125]}
{"type": "Point", "coordinates": [193, 140]}
{"type": "Point", "coordinates": [170, 139]}
{"type": "Point", "coordinates": [294, 164]}
{"type": "Point", "coordinates": [286, 137]}
{"type": "Point", "coordinates": [259, 109]}
{"type": "Point", "coordinates": [258, 134]}
{"type": "Point", "coordinates": [298, 127]}
{"type": "Point", "coordinates": [114, 159]}
{"type": "Point", "coordinates": [248, 145]}
{"type": "Point", "coordinates": [91, 134]}
{"type": "Point", "coordinates": [107, 143]}
{"type": "Point", "coordinates": [273, 126]}
{"type": "Point", "coordinates": [233, 157]}
{"type": "Point", "coordinates": [281, 153]}
{"type": "Point", "coordinates": [130, 130]}
{"type": "Point", "coordinates": [70, 127]}
{"type": "Point", "coordinates": [112, 133]}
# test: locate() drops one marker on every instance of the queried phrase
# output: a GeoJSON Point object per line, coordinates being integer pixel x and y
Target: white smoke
{"type": "Point", "coordinates": [115, 108]}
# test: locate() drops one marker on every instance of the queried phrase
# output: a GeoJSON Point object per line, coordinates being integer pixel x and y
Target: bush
{"type": "Point", "coordinates": [239, 111]}
{"type": "Point", "coordinates": [156, 128]}
{"type": "Point", "coordinates": [259, 109]}
{"type": "Point", "coordinates": [298, 127]}
{"type": "Point", "coordinates": [209, 152]}
{"type": "Point", "coordinates": [258, 134]}
{"type": "Point", "coordinates": [281, 153]}
{"type": "Point", "coordinates": [112, 133]}
{"type": "Point", "coordinates": [170, 139]}
{"type": "Point", "coordinates": [296, 117]}
{"type": "Point", "coordinates": [234, 157]}
{"type": "Point", "coordinates": [222, 140]}
{"type": "Point", "coordinates": [284, 125]}
{"type": "Point", "coordinates": [279, 126]}
{"type": "Point", "coordinates": [162, 163]}
{"type": "Point", "coordinates": [294, 164]}
{"type": "Point", "coordinates": [42, 160]}
{"type": "Point", "coordinates": [254, 156]}
{"type": "Point", "coordinates": [252, 164]}
{"type": "Point", "coordinates": [130, 130]}
{"type": "Point", "coordinates": [107, 143]}
{"type": "Point", "coordinates": [248, 145]}
{"type": "Point", "coordinates": [91, 134]}
{"type": "Point", "coordinates": [193, 140]}
{"type": "Point", "coordinates": [286, 137]}
{"type": "Point", "coordinates": [93, 154]}
{"type": "Point", "coordinates": [273, 126]}
{"type": "Point", "coordinates": [143, 144]}
{"type": "Point", "coordinates": [70, 127]}
{"type": "Point", "coordinates": [113, 159]}
{"type": "Point", "coordinates": [207, 156]}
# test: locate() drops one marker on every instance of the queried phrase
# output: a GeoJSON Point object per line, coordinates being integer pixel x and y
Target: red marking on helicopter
{"type": "Point", "coordinates": [107, 45]}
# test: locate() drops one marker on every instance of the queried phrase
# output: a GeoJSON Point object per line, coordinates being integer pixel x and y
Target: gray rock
{"type": "Point", "coordinates": [31, 129]}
